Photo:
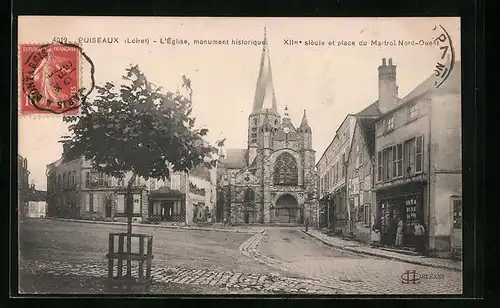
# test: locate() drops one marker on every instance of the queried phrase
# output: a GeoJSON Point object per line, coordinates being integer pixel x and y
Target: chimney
{"type": "Point", "coordinates": [387, 88]}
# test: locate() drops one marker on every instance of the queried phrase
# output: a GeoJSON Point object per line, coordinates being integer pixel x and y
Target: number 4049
{"type": "Point", "coordinates": [60, 39]}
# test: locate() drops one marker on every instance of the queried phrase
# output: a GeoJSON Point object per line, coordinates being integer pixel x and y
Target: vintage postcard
{"type": "Point", "coordinates": [162, 155]}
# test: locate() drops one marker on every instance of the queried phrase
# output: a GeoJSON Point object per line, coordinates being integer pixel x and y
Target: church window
{"type": "Point", "coordinates": [249, 196]}
{"type": "Point", "coordinates": [285, 170]}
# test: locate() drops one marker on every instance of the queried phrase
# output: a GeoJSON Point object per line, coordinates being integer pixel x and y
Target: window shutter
{"type": "Point", "coordinates": [121, 204]}
{"type": "Point", "coordinates": [96, 203]}
{"type": "Point", "coordinates": [87, 202]}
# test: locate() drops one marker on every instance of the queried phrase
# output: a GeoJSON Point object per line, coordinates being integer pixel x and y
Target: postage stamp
{"type": "Point", "coordinates": [50, 78]}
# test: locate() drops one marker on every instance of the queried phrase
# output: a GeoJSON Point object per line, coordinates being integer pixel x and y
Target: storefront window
{"type": "Point", "coordinates": [411, 209]}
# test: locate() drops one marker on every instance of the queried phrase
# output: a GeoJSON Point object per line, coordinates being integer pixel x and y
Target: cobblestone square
{"type": "Point", "coordinates": [275, 260]}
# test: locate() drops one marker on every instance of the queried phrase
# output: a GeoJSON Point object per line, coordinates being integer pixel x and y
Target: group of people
{"type": "Point", "coordinates": [395, 233]}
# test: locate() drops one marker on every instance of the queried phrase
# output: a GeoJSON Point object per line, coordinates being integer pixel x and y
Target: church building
{"type": "Point", "coordinates": [272, 180]}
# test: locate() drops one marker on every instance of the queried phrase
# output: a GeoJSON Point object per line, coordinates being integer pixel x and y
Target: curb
{"type": "Point", "coordinates": [151, 225]}
{"type": "Point", "coordinates": [360, 251]}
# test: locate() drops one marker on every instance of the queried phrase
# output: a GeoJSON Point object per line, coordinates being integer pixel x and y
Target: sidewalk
{"type": "Point", "coordinates": [360, 248]}
{"type": "Point", "coordinates": [164, 226]}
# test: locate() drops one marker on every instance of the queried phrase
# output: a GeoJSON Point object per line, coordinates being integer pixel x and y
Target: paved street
{"type": "Point", "coordinates": [352, 273]}
{"type": "Point", "coordinates": [278, 260]}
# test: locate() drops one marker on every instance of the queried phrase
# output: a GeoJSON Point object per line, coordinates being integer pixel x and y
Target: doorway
{"type": "Point", "coordinates": [166, 210]}
{"type": "Point", "coordinates": [108, 208]}
{"type": "Point", "coordinates": [287, 210]}
{"type": "Point", "coordinates": [247, 217]}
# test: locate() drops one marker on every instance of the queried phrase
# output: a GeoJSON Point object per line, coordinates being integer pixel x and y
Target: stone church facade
{"type": "Point", "coordinates": [273, 180]}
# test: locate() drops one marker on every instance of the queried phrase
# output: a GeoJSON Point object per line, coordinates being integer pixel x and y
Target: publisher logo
{"type": "Point", "coordinates": [414, 277]}
{"type": "Point", "coordinates": [410, 276]}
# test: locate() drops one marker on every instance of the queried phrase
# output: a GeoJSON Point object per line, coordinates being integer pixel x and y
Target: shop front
{"type": "Point", "coordinates": [405, 203]}
{"type": "Point", "coordinates": [323, 212]}
{"type": "Point", "coordinates": [339, 219]}
{"type": "Point", "coordinates": [167, 205]}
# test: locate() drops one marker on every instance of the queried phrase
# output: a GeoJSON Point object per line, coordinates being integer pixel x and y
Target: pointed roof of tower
{"type": "Point", "coordinates": [304, 123]}
{"type": "Point", "coordinates": [287, 122]}
{"type": "Point", "coordinates": [286, 114]}
{"type": "Point", "coordinates": [266, 125]}
{"type": "Point", "coordinates": [264, 94]}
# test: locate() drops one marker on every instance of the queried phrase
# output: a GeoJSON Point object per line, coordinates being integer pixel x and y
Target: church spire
{"type": "Point", "coordinates": [304, 123]}
{"type": "Point", "coordinates": [264, 94]}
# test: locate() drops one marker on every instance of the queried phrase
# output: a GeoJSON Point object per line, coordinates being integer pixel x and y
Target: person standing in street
{"type": "Point", "coordinates": [419, 232]}
{"type": "Point", "coordinates": [399, 233]}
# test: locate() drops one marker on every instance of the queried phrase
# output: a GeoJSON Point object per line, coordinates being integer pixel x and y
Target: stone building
{"type": "Point", "coordinates": [27, 194]}
{"type": "Point", "coordinates": [418, 164]}
{"type": "Point", "coordinates": [22, 185]}
{"type": "Point", "coordinates": [331, 168]}
{"type": "Point", "coordinates": [360, 173]}
{"type": "Point", "coordinates": [76, 190]}
{"type": "Point", "coordinates": [273, 179]}
{"type": "Point", "coordinates": [186, 198]}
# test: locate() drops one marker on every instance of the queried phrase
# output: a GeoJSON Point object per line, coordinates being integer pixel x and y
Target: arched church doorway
{"type": "Point", "coordinates": [249, 206]}
{"type": "Point", "coordinates": [287, 210]}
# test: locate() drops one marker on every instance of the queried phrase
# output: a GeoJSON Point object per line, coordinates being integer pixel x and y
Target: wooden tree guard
{"type": "Point", "coordinates": [144, 275]}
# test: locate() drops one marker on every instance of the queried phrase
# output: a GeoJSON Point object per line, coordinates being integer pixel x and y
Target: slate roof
{"type": "Point", "coordinates": [165, 190]}
{"type": "Point", "coordinates": [366, 121]}
{"type": "Point", "coordinates": [367, 126]}
{"type": "Point", "coordinates": [36, 195]}
{"type": "Point", "coordinates": [265, 98]}
{"type": "Point", "coordinates": [371, 110]}
{"type": "Point", "coordinates": [427, 87]}
{"type": "Point", "coordinates": [235, 158]}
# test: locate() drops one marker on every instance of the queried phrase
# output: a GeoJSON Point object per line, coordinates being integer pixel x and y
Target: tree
{"type": "Point", "coordinates": [138, 129]}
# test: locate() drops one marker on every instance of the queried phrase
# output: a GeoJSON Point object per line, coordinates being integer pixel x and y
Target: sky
{"type": "Point", "coordinates": [328, 81]}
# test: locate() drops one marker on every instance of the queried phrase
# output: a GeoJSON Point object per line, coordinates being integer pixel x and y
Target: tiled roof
{"type": "Point", "coordinates": [235, 158]}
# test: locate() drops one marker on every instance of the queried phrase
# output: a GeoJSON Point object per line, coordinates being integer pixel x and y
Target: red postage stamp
{"type": "Point", "coordinates": [49, 79]}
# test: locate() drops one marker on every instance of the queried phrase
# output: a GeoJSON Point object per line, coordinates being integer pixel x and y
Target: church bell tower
{"type": "Point", "coordinates": [264, 106]}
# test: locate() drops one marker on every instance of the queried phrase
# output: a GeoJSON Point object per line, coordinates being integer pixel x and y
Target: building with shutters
{"type": "Point", "coordinates": [331, 168]}
{"type": "Point", "coordinates": [77, 191]}
{"type": "Point", "coordinates": [418, 161]}
{"type": "Point", "coordinates": [360, 173]}
{"type": "Point", "coordinates": [273, 179]}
